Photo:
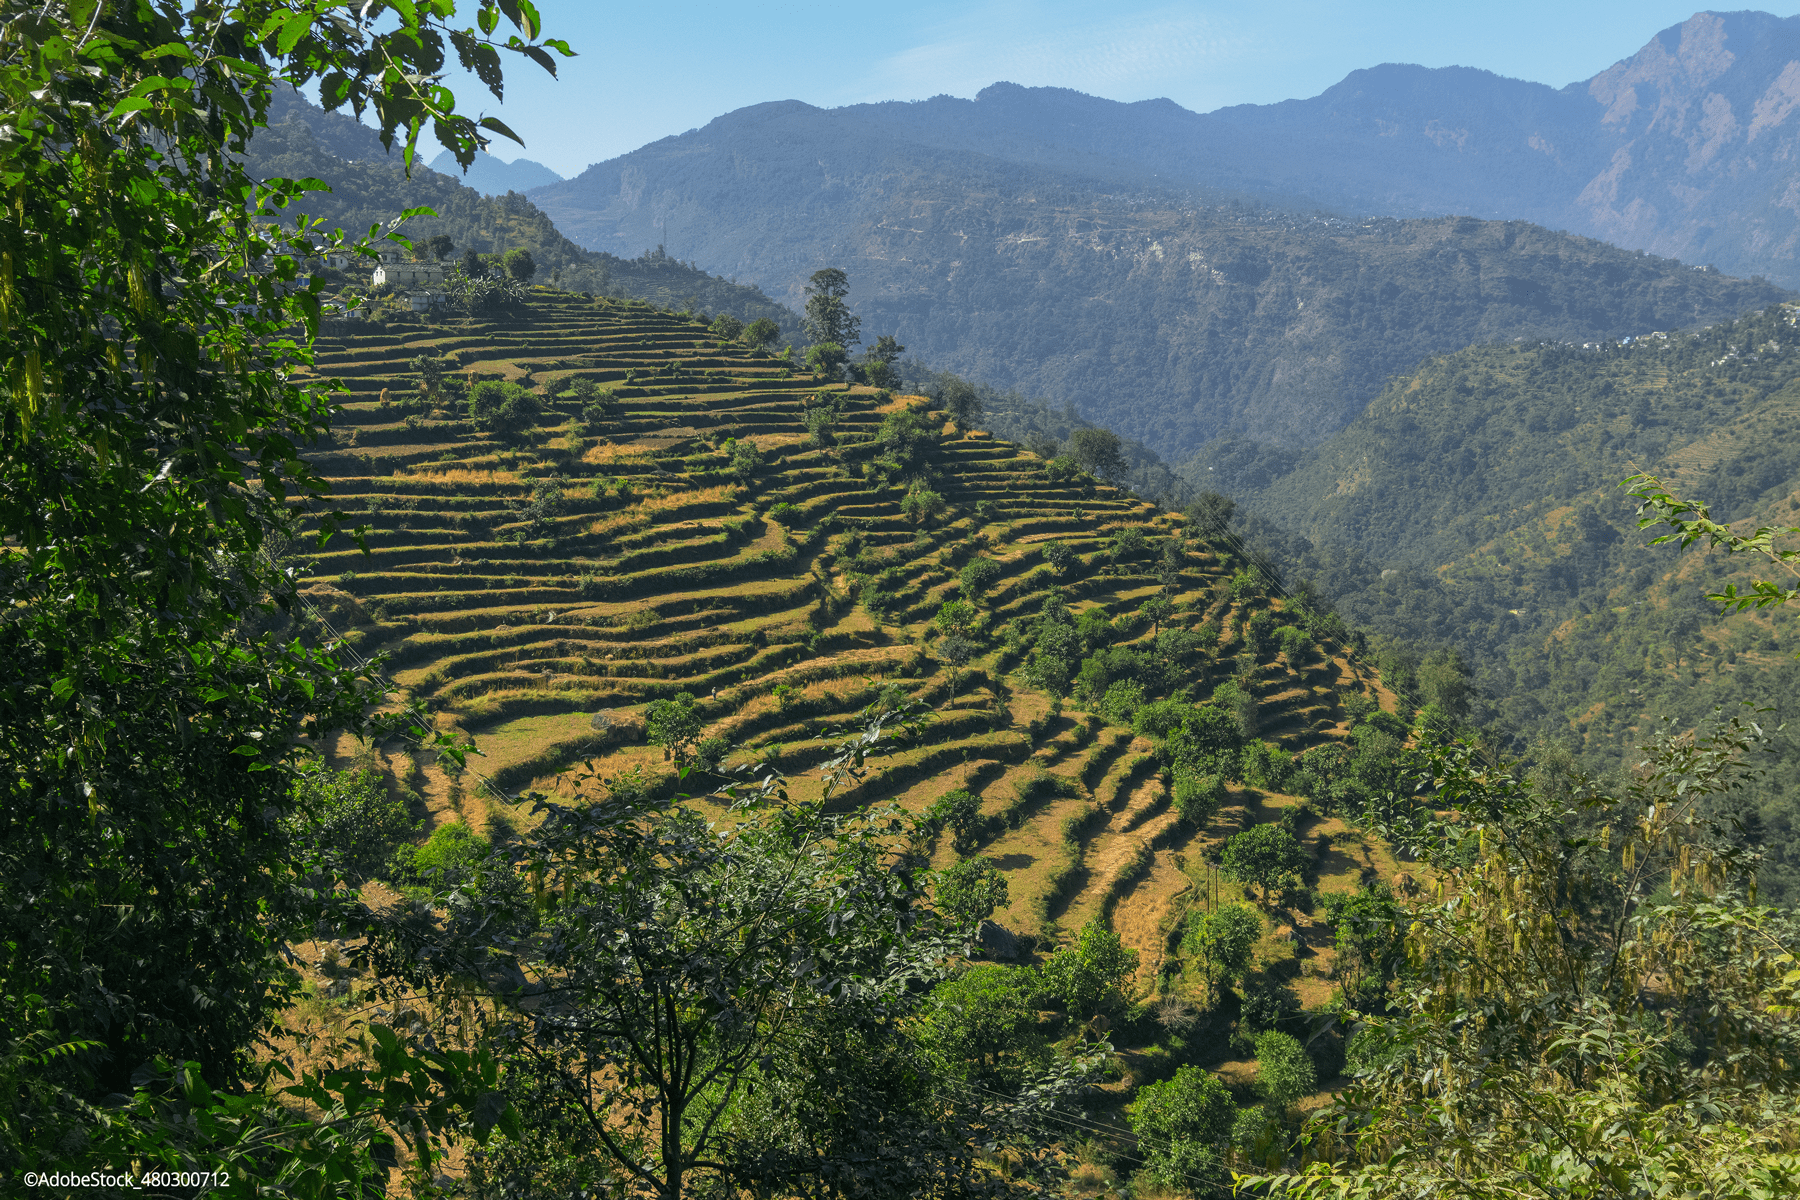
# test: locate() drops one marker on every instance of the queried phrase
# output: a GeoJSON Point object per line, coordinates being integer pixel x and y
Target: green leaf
{"type": "Point", "coordinates": [292, 30]}
{"type": "Point", "coordinates": [498, 126]}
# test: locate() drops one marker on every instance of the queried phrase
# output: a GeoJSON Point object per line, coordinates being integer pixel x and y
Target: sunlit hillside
{"type": "Point", "coordinates": [537, 590]}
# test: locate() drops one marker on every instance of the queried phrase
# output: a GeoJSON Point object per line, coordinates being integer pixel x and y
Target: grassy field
{"type": "Point", "coordinates": [521, 587]}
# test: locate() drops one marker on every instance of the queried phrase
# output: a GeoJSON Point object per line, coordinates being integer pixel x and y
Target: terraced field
{"type": "Point", "coordinates": [537, 591]}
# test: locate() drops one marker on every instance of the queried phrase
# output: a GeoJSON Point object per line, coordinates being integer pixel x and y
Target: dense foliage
{"type": "Point", "coordinates": [157, 703]}
{"type": "Point", "coordinates": [1476, 505]}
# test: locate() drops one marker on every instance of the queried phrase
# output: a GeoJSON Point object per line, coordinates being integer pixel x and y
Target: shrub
{"type": "Point", "coordinates": [1267, 856]}
{"type": "Point", "coordinates": [971, 890]}
{"type": "Point", "coordinates": [502, 409]}
{"type": "Point", "coordinates": [785, 514]}
{"type": "Point", "coordinates": [1122, 700]}
{"type": "Point", "coordinates": [1284, 1073]}
{"type": "Point", "coordinates": [1181, 1124]}
{"type": "Point", "coordinates": [1197, 797]}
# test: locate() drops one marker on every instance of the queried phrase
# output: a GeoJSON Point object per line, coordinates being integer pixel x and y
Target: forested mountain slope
{"type": "Point", "coordinates": [368, 187]}
{"type": "Point", "coordinates": [1476, 504]}
{"type": "Point", "coordinates": [1685, 149]}
{"type": "Point", "coordinates": [1166, 317]}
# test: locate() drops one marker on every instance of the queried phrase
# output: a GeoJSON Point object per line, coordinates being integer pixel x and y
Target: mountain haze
{"type": "Point", "coordinates": [1686, 149]}
{"type": "Point", "coordinates": [1172, 273]}
{"type": "Point", "coordinates": [495, 176]}
{"type": "Point", "coordinates": [1169, 317]}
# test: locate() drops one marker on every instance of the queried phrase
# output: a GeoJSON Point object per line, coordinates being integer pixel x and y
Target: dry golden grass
{"type": "Point", "coordinates": [609, 452]}
{"type": "Point", "coordinates": [464, 474]}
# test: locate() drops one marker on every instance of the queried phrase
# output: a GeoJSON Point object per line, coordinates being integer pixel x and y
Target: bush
{"type": "Point", "coordinates": [1122, 700]}
{"type": "Point", "coordinates": [1267, 856]}
{"type": "Point", "coordinates": [502, 409]}
{"type": "Point", "coordinates": [1198, 797]}
{"type": "Point", "coordinates": [970, 891]}
{"type": "Point", "coordinates": [350, 819]}
{"type": "Point", "coordinates": [1284, 1072]}
{"type": "Point", "coordinates": [785, 515]}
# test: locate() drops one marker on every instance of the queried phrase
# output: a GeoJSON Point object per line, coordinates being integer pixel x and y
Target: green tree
{"type": "Point", "coordinates": [1597, 965]}
{"type": "Point", "coordinates": [1099, 451]}
{"type": "Point", "coordinates": [970, 890]}
{"type": "Point", "coordinates": [1266, 856]}
{"type": "Point", "coordinates": [1206, 741]}
{"type": "Point", "coordinates": [1284, 1073]}
{"type": "Point", "coordinates": [956, 617]}
{"type": "Point", "coordinates": [759, 333]}
{"type": "Point", "coordinates": [983, 1023]}
{"type": "Point", "coordinates": [960, 812]}
{"type": "Point", "coordinates": [1181, 1125]}
{"type": "Point", "coordinates": [958, 651]}
{"type": "Point", "coordinates": [349, 820]}
{"type": "Point", "coordinates": [675, 725]}
{"type": "Point", "coordinates": [1572, 985]}
{"type": "Point", "coordinates": [435, 248]}
{"type": "Point", "coordinates": [828, 315]}
{"type": "Point", "coordinates": [920, 504]}
{"type": "Point", "coordinates": [520, 265]}
{"type": "Point", "coordinates": [1211, 513]}
{"type": "Point", "coordinates": [1156, 610]}
{"type": "Point", "coordinates": [746, 459]}
{"type": "Point", "coordinates": [905, 440]}
{"type": "Point", "coordinates": [503, 409]}
{"type": "Point", "coordinates": [160, 690]}
{"type": "Point", "coordinates": [961, 401]}
{"type": "Point", "coordinates": [826, 359]}
{"type": "Point", "coordinates": [712, 980]}
{"type": "Point", "coordinates": [1370, 942]}
{"type": "Point", "coordinates": [819, 419]}
{"type": "Point", "coordinates": [977, 576]}
{"type": "Point", "coordinates": [1223, 940]}
{"type": "Point", "coordinates": [726, 328]}
{"type": "Point", "coordinates": [1122, 699]}
{"type": "Point", "coordinates": [878, 362]}
{"type": "Point", "coordinates": [1198, 798]}
{"type": "Point", "coordinates": [1088, 976]}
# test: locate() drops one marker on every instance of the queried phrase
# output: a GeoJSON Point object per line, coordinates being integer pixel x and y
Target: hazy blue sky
{"type": "Point", "coordinates": [650, 70]}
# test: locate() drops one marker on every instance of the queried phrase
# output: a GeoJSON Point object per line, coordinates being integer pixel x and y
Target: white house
{"type": "Point", "coordinates": [409, 275]}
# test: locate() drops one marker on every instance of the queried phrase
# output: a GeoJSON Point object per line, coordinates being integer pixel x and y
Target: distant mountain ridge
{"type": "Point", "coordinates": [494, 176]}
{"type": "Point", "coordinates": [1121, 256]}
{"type": "Point", "coordinates": [1687, 149]}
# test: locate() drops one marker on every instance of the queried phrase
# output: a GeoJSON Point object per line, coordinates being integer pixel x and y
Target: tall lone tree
{"type": "Point", "coordinates": [1100, 451]}
{"type": "Point", "coordinates": [828, 316]}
